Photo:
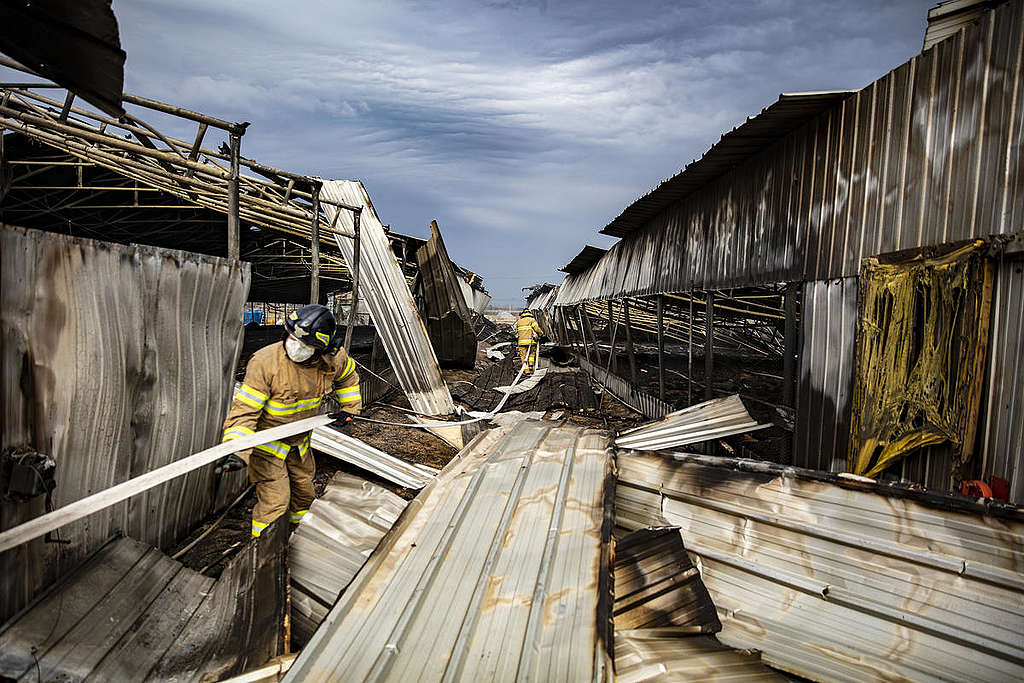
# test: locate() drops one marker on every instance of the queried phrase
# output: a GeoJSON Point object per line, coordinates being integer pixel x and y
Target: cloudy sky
{"type": "Point", "coordinates": [522, 127]}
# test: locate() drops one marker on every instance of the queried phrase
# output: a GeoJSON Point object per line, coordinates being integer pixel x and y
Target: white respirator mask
{"type": "Point", "coordinates": [298, 351]}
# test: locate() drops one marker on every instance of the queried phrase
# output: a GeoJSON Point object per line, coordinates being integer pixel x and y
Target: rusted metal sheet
{"type": "Point", "coordinates": [643, 402]}
{"type": "Point", "coordinates": [928, 154]}
{"type": "Point", "coordinates": [116, 360]}
{"type": "Point", "coordinates": [336, 536]}
{"type": "Point", "coordinates": [832, 579]}
{"type": "Point", "coordinates": [499, 569]}
{"type": "Point", "coordinates": [132, 613]}
{"type": "Point", "coordinates": [391, 304]}
{"type": "Point", "coordinates": [449, 321]}
{"type": "Point", "coordinates": [714, 419]}
{"type": "Point", "coordinates": [667, 654]}
{"type": "Point", "coordinates": [656, 584]}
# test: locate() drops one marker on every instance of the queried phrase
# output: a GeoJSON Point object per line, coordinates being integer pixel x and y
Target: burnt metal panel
{"type": "Point", "coordinates": [132, 613]}
{"type": "Point", "coordinates": [928, 154]}
{"type": "Point", "coordinates": [72, 42]}
{"type": "Point", "coordinates": [656, 584]}
{"type": "Point", "coordinates": [116, 360]}
{"type": "Point", "coordinates": [449, 321]}
{"type": "Point", "coordinates": [825, 385]}
{"type": "Point", "coordinates": [1003, 445]}
{"type": "Point", "coordinates": [666, 654]}
{"type": "Point", "coordinates": [832, 582]}
{"type": "Point", "coordinates": [714, 419]}
{"type": "Point", "coordinates": [383, 285]}
{"type": "Point", "coordinates": [499, 568]}
{"type": "Point", "coordinates": [643, 402]}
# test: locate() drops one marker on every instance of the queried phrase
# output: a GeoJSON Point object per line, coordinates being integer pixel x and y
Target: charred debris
{"type": "Point", "coordinates": [776, 431]}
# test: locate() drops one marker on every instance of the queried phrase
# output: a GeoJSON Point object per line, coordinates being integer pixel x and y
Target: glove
{"type": "Point", "coordinates": [229, 463]}
{"type": "Point", "coordinates": [342, 419]}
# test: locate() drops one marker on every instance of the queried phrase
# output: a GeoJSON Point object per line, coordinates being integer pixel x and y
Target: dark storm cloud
{"type": "Point", "coordinates": [522, 127]}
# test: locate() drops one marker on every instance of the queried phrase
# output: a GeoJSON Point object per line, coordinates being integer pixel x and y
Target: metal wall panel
{"type": "Point", "coordinates": [116, 360]}
{"type": "Point", "coordinates": [391, 304]}
{"type": "Point", "coordinates": [1003, 450]}
{"type": "Point", "coordinates": [449, 322]}
{"type": "Point", "coordinates": [928, 154]}
{"type": "Point", "coordinates": [828, 331]}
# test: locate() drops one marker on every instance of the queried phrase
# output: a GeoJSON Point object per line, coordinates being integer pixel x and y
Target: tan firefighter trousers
{"type": "Point", "coordinates": [281, 485]}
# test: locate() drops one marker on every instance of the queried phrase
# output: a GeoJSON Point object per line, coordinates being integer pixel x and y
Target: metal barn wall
{"type": "Point", "coordinates": [930, 153]}
{"type": "Point", "coordinates": [1003, 449]}
{"type": "Point", "coordinates": [116, 360]}
{"type": "Point", "coordinates": [825, 388]}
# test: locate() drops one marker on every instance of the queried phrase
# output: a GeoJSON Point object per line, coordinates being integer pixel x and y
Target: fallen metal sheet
{"type": "Point", "coordinates": [133, 372]}
{"type": "Point", "coordinates": [712, 419]}
{"type": "Point", "coordinates": [450, 434]}
{"type": "Point", "coordinates": [333, 541]}
{"type": "Point", "coordinates": [671, 654]}
{"type": "Point", "coordinates": [132, 613]}
{"type": "Point", "coordinates": [449, 321]}
{"type": "Point", "coordinates": [355, 452]}
{"type": "Point", "coordinates": [638, 400]}
{"type": "Point", "coordinates": [391, 305]}
{"type": "Point", "coordinates": [657, 585]}
{"type": "Point", "coordinates": [499, 569]}
{"type": "Point", "coordinates": [834, 583]}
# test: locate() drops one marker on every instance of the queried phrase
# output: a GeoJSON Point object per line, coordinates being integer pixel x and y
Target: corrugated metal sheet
{"type": "Point", "coordinates": [132, 613]}
{"type": "Point", "coordinates": [714, 419]}
{"type": "Point", "coordinates": [497, 570]}
{"type": "Point", "coordinates": [665, 654]}
{"type": "Point", "coordinates": [587, 257]}
{"type": "Point", "coordinates": [947, 18]}
{"type": "Point", "coordinates": [656, 584]}
{"type": "Point", "coordinates": [362, 455]}
{"type": "Point", "coordinates": [928, 154]}
{"type": "Point", "coordinates": [825, 388]}
{"type": "Point", "coordinates": [391, 305]}
{"type": "Point", "coordinates": [116, 360]}
{"type": "Point", "coordinates": [1003, 450]}
{"type": "Point", "coordinates": [336, 536]}
{"type": "Point", "coordinates": [449, 322]}
{"type": "Point", "coordinates": [834, 583]}
{"type": "Point", "coordinates": [645, 403]}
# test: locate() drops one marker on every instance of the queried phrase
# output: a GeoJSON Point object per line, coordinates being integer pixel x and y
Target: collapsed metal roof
{"type": "Point", "coordinates": [841, 579]}
{"type": "Point", "coordinates": [498, 569]}
{"type": "Point", "coordinates": [774, 122]}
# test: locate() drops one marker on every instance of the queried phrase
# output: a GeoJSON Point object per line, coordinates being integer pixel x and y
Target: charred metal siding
{"type": "Point", "coordinates": [116, 360]}
{"type": "Point", "coordinates": [928, 154]}
{"type": "Point", "coordinates": [825, 389]}
{"type": "Point", "coordinates": [391, 304]}
{"type": "Point", "coordinates": [1004, 440]}
{"type": "Point", "coordinates": [449, 321]}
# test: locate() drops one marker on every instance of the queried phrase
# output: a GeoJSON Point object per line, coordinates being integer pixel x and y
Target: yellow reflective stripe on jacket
{"type": "Point", "coordinates": [350, 367]}
{"type": "Point", "coordinates": [251, 397]}
{"type": "Point", "coordinates": [348, 395]}
{"type": "Point", "coordinates": [236, 432]}
{"type": "Point", "coordinates": [278, 408]}
{"type": "Point", "coordinates": [279, 449]}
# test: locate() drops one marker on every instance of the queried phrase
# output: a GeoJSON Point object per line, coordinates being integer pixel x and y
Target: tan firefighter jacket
{"type": "Point", "coordinates": [527, 330]}
{"type": "Point", "coordinates": [277, 391]}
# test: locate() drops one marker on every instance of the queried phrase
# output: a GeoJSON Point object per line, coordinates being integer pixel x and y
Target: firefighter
{"type": "Point", "coordinates": [529, 334]}
{"type": "Point", "coordinates": [284, 382]}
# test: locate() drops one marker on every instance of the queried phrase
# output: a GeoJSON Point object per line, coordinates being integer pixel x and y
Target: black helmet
{"type": "Point", "coordinates": [312, 325]}
{"type": "Point", "coordinates": [526, 311]}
